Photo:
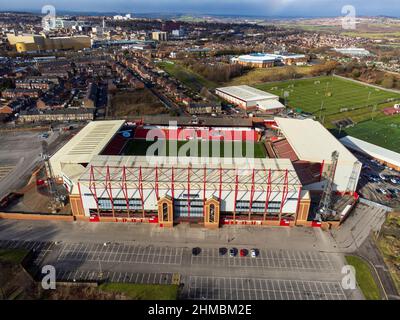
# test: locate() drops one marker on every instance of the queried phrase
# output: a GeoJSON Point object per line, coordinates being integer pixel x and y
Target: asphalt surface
{"type": "Point", "coordinates": [293, 269]}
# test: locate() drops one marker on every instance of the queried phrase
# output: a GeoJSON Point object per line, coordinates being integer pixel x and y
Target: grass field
{"type": "Point", "coordinates": [191, 79]}
{"type": "Point", "coordinates": [364, 278]}
{"type": "Point", "coordinates": [14, 256]}
{"type": "Point", "coordinates": [331, 99]}
{"type": "Point", "coordinates": [142, 291]}
{"type": "Point", "coordinates": [139, 148]}
{"type": "Point", "coordinates": [327, 95]}
{"type": "Point", "coordinates": [383, 131]}
{"type": "Point", "coordinates": [260, 75]}
{"type": "Point", "coordinates": [389, 245]}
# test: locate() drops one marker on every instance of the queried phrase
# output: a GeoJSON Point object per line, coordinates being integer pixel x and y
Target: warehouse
{"type": "Point", "coordinates": [250, 99]}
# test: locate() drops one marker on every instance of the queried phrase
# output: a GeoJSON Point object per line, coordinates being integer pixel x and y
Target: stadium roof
{"type": "Point", "coordinates": [258, 57]}
{"type": "Point", "coordinates": [372, 150]}
{"type": "Point", "coordinates": [311, 141]}
{"type": "Point", "coordinates": [217, 168]}
{"type": "Point", "coordinates": [90, 141]}
{"type": "Point", "coordinates": [247, 93]}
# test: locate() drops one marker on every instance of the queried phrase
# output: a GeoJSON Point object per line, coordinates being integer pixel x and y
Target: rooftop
{"type": "Point", "coordinates": [89, 142]}
{"type": "Point", "coordinates": [247, 93]}
{"type": "Point", "coordinates": [372, 150]}
{"type": "Point", "coordinates": [215, 170]}
{"type": "Point", "coordinates": [311, 141]}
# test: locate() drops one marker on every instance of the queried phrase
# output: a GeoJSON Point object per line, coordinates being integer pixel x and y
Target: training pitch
{"type": "Point", "coordinates": [327, 95]}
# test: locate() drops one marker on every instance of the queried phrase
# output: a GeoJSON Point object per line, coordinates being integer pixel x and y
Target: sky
{"type": "Point", "coordinates": [267, 8]}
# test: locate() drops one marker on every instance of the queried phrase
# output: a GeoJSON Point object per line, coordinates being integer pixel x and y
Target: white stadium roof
{"type": "Point", "coordinates": [88, 142]}
{"type": "Point", "coordinates": [312, 142]}
{"type": "Point", "coordinates": [230, 166]}
{"type": "Point", "coordinates": [258, 58]}
{"type": "Point", "coordinates": [372, 150]}
{"type": "Point", "coordinates": [247, 93]}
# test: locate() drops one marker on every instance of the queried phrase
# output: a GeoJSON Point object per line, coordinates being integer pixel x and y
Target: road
{"type": "Point", "coordinates": [21, 155]}
{"type": "Point", "coordinates": [149, 85]}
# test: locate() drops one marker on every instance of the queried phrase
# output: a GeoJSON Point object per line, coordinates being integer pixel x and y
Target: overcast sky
{"type": "Point", "coordinates": [288, 8]}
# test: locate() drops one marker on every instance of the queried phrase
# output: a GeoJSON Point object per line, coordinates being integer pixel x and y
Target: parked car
{"type": "Point", "coordinates": [232, 252]}
{"type": "Point", "coordinates": [222, 251]}
{"type": "Point", "coordinates": [254, 253]}
{"type": "Point", "coordinates": [196, 251]}
{"type": "Point", "coordinates": [243, 252]}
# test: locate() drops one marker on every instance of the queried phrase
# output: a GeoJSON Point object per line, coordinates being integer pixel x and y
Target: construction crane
{"type": "Point", "coordinates": [352, 185]}
{"type": "Point", "coordinates": [57, 199]}
{"type": "Point", "coordinates": [325, 211]}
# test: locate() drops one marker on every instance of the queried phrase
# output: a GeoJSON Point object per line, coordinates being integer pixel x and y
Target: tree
{"type": "Point", "coordinates": [388, 81]}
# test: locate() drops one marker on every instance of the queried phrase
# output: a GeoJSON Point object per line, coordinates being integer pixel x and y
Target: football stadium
{"type": "Point", "coordinates": [207, 171]}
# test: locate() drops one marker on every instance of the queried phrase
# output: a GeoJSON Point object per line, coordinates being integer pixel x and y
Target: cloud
{"type": "Point", "coordinates": [253, 7]}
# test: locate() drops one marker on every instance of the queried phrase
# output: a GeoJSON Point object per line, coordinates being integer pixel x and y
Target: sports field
{"type": "Point", "coordinates": [382, 131]}
{"type": "Point", "coordinates": [139, 148]}
{"type": "Point", "coordinates": [331, 99]}
{"type": "Point", "coordinates": [327, 96]}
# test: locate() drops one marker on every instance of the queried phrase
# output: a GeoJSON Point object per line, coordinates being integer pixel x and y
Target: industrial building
{"type": "Point", "coordinates": [250, 99]}
{"type": "Point", "coordinates": [106, 183]}
{"type": "Point", "coordinates": [40, 42]}
{"type": "Point", "coordinates": [268, 60]}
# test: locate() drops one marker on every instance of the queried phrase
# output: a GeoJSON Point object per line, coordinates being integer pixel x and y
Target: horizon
{"type": "Point", "coordinates": [247, 8]}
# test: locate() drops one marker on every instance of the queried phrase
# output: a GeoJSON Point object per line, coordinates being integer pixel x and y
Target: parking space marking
{"type": "Point", "coordinates": [5, 170]}
{"type": "Point", "coordinates": [120, 254]}
{"type": "Point", "coordinates": [282, 259]}
{"type": "Point", "coordinates": [259, 289]}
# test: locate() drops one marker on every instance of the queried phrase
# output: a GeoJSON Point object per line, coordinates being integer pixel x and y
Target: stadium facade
{"type": "Point", "coordinates": [106, 183]}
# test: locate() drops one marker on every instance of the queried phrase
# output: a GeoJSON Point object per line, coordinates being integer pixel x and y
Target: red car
{"type": "Point", "coordinates": [243, 252]}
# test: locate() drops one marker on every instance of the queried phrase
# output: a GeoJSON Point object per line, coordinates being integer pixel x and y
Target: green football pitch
{"type": "Point", "coordinates": [327, 95]}
{"type": "Point", "coordinates": [140, 147]}
{"type": "Point", "coordinates": [331, 99]}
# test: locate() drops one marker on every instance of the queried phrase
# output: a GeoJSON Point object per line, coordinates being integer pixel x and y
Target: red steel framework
{"type": "Point", "coordinates": [123, 185]}
{"type": "Point", "coordinates": [156, 186]}
{"type": "Point", "coordinates": [188, 191]}
{"type": "Point", "coordinates": [284, 195]}
{"type": "Point", "coordinates": [267, 195]}
{"type": "Point", "coordinates": [124, 188]}
{"type": "Point", "coordinates": [236, 193]}
{"type": "Point", "coordinates": [141, 188]}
